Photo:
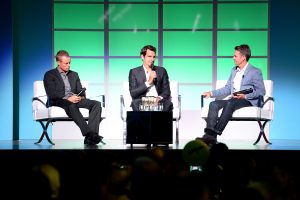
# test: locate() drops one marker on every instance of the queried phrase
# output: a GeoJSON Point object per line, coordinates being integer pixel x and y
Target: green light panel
{"type": "Point", "coordinates": [192, 70]}
{"type": "Point", "coordinates": [257, 40]}
{"type": "Point", "coordinates": [187, 43]}
{"type": "Point", "coordinates": [80, 43]}
{"type": "Point", "coordinates": [252, 16]}
{"type": "Point", "coordinates": [89, 69]}
{"type": "Point", "coordinates": [133, 24]}
{"type": "Point", "coordinates": [191, 16]}
{"type": "Point", "coordinates": [191, 96]}
{"type": "Point", "coordinates": [83, 16]}
{"type": "Point", "coordinates": [133, 16]}
{"type": "Point", "coordinates": [130, 43]}
{"type": "Point", "coordinates": [119, 69]}
{"type": "Point", "coordinates": [225, 66]}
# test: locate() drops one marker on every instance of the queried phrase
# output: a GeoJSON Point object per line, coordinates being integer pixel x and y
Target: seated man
{"type": "Point", "coordinates": [62, 86]}
{"type": "Point", "coordinates": [243, 76]}
{"type": "Point", "coordinates": [149, 80]}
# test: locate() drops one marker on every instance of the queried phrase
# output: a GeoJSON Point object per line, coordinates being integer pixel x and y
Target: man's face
{"type": "Point", "coordinates": [238, 58]}
{"type": "Point", "coordinates": [64, 63]}
{"type": "Point", "coordinates": [149, 58]}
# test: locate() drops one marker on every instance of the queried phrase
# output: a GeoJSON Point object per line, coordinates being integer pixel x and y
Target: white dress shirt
{"type": "Point", "coordinates": [237, 81]}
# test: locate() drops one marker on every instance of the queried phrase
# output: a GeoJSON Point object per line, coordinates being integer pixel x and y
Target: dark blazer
{"type": "Point", "coordinates": [138, 88]}
{"type": "Point", "coordinates": [55, 87]}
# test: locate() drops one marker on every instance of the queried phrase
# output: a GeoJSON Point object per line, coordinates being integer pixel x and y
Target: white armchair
{"type": "Point", "coordinates": [45, 115]}
{"type": "Point", "coordinates": [262, 114]}
{"type": "Point", "coordinates": [125, 101]}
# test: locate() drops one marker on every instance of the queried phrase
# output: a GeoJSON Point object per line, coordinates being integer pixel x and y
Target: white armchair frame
{"type": "Point", "coordinates": [262, 115]}
{"type": "Point", "coordinates": [46, 115]}
{"type": "Point", "coordinates": [125, 101]}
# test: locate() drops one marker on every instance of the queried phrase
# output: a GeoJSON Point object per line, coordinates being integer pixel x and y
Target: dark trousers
{"type": "Point", "coordinates": [229, 106]}
{"type": "Point", "coordinates": [72, 110]}
{"type": "Point", "coordinates": [167, 104]}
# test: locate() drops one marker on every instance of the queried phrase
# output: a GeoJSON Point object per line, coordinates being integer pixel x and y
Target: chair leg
{"type": "Point", "coordinates": [45, 133]}
{"type": "Point", "coordinates": [177, 132]}
{"type": "Point", "coordinates": [262, 133]}
{"type": "Point", "coordinates": [124, 132]}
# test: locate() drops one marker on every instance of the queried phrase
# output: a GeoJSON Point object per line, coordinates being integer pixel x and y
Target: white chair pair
{"type": "Point", "coordinates": [45, 115]}
{"type": "Point", "coordinates": [125, 101]}
{"type": "Point", "coordinates": [262, 114]}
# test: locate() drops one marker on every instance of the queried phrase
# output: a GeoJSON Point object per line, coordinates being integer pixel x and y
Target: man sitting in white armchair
{"type": "Point", "coordinates": [63, 88]}
{"type": "Point", "coordinates": [245, 85]}
{"type": "Point", "coordinates": [149, 80]}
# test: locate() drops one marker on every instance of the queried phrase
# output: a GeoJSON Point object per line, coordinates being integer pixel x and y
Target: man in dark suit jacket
{"type": "Point", "coordinates": [62, 86]}
{"type": "Point", "coordinates": [243, 76]}
{"type": "Point", "coordinates": [149, 80]}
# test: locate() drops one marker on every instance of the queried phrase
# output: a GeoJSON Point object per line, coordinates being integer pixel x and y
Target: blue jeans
{"type": "Point", "coordinates": [216, 124]}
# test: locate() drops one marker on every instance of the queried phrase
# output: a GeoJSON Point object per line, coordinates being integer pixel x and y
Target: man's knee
{"type": "Point", "coordinates": [213, 105]}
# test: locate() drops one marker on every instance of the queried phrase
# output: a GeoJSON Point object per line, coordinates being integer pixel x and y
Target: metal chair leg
{"type": "Point", "coordinates": [177, 132]}
{"type": "Point", "coordinates": [262, 133]}
{"type": "Point", "coordinates": [45, 133]}
{"type": "Point", "coordinates": [124, 132]}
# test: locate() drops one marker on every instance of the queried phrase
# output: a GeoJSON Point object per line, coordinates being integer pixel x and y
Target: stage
{"type": "Point", "coordinates": [117, 144]}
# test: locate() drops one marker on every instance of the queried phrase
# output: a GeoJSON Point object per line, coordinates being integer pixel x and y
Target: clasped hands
{"type": "Point", "coordinates": [75, 98]}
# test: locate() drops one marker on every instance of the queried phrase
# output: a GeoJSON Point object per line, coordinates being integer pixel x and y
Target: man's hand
{"type": "Point", "coordinates": [157, 100]}
{"type": "Point", "coordinates": [239, 96]}
{"type": "Point", "coordinates": [152, 77]}
{"type": "Point", "coordinates": [206, 94]}
{"type": "Point", "coordinates": [74, 98]}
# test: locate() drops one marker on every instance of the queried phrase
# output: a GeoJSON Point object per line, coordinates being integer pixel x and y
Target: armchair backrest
{"type": "Point", "coordinates": [174, 87]}
{"type": "Point", "coordinates": [126, 95]}
{"type": "Point", "coordinates": [39, 92]}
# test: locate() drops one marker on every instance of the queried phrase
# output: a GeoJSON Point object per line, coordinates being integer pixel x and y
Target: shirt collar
{"type": "Point", "coordinates": [244, 68]}
{"type": "Point", "coordinates": [61, 72]}
{"type": "Point", "coordinates": [145, 69]}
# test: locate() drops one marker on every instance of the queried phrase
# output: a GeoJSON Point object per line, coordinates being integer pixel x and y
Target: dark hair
{"type": "Point", "coordinates": [60, 54]}
{"type": "Point", "coordinates": [145, 48]}
{"type": "Point", "coordinates": [244, 49]}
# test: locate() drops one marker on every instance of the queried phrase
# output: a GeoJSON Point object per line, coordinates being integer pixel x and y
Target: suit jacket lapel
{"type": "Point", "coordinates": [142, 74]}
{"type": "Point", "coordinates": [57, 74]}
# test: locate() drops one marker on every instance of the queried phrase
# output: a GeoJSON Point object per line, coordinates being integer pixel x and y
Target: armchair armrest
{"type": "Point", "coordinates": [100, 98]}
{"type": "Point", "coordinates": [179, 106]}
{"type": "Point", "coordinates": [38, 98]}
{"type": "Point", "coordinates": [268, 99]}
{"type": "Point", "coordinates": [122, 105]}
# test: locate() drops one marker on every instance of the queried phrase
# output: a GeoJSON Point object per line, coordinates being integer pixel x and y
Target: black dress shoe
{"type": "Point", "coordinates": [98, 139]}
{"type": "Point", "coordinates": [93, 139]}
{"type": "Point", "coordinates": [208, 139]}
